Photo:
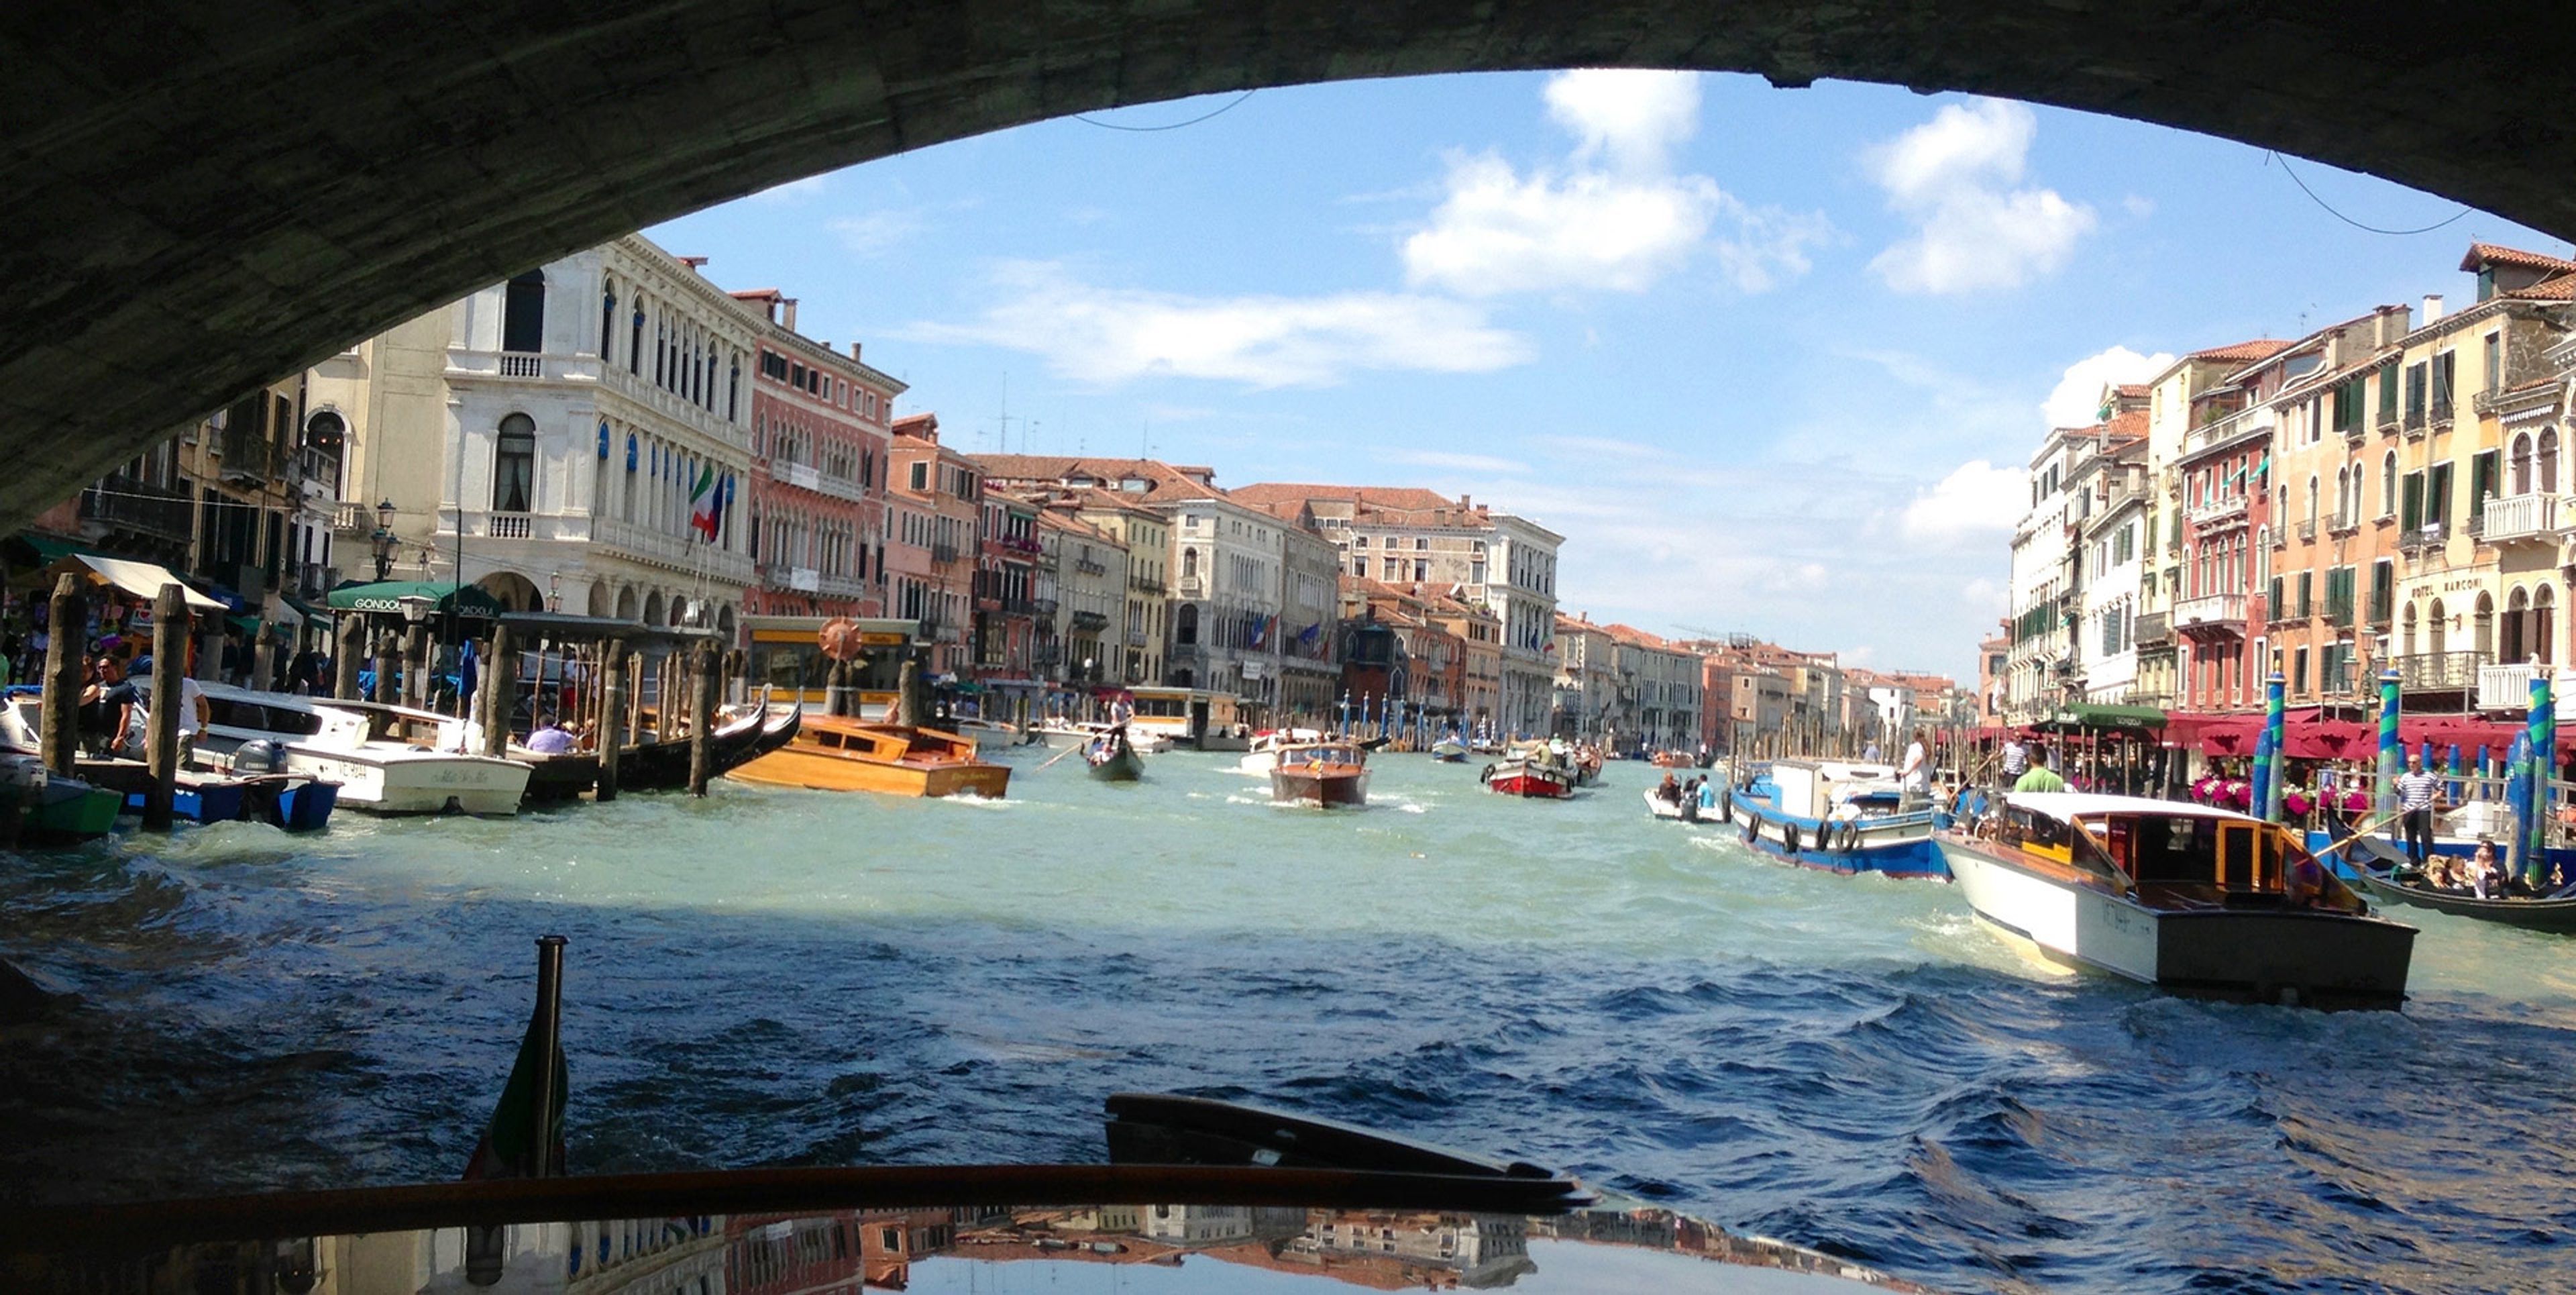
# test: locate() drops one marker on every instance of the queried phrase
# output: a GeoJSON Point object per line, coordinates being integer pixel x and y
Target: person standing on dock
{"type": "Point", "coordinates": [2416, 791]}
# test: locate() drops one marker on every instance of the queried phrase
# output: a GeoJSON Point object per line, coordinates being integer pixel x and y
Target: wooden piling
{"type": "Point", "coordinates": [612, 716]}
{"type": "Point", "coordinates": [415, 680]}
{"type": "Point", "coordinates": [504, 692]}
{"type": "Point", "coordinates": [348, 647]}
{"type": "Point", "coordinates": [161, 723]}
{"type": "Point", "coordinates": [387, 651]}
{"type": "Point", "coordinates": [67, 636]}
{"type": "Point", "coordinates": [907, 695]}
{"type": "Point", "coordinates": [702, 715]}
{"type": "Point", "coordinates": [635, 695]}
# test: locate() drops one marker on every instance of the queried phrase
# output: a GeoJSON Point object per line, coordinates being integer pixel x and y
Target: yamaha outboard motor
{"type": "Point", "coordinates": [259, 755]}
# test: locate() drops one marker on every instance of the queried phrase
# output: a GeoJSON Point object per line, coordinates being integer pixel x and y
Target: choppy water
{"type": "Point", "coordinates": [785, 977]}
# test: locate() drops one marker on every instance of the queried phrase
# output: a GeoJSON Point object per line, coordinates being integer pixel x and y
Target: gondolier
{"type": "Point", "coordinates": [2416, 792]}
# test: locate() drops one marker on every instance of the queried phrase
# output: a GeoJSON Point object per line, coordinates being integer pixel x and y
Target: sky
{"type": "Point", "coordinates": [1770, 360]}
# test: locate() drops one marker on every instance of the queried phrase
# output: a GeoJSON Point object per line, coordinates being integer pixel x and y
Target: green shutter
{"type": "Point", "coordinates": [2437, 495]}
{"type": "Point", "coordinates": [2410, 515]}
{"type": "Point", "coordinates": [2388, 392]}
{"type": "Point", "coordinates": [2482, 483]}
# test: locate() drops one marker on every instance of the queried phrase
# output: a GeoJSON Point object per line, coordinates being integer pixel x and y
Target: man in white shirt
{"type": "Point", "coordinates": [193, 713]}
{"type": "Point", "coordinates": [1914, 776]}
{"type": "Point", "coordinates": [2016, 758]}
{"type": "Point", "coordinates": [2416, 792]}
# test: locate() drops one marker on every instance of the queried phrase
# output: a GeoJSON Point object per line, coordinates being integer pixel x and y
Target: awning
{"type": "Point", "coordinates": [387, 596]}
{"type": "Point", "coordinates": [141, 579]}
{"type": "Point", "coordinates": [50, 549]}
{"type": "Point", "coordinates": [304, 609]}
{"type": "Point", "coordinates": [2093, 715]}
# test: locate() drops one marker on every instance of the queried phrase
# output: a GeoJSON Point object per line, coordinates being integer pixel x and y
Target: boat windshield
{"type": "Point", "coordinates": [2190, 851]}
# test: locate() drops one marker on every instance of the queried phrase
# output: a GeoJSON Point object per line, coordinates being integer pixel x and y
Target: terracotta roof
{"type": "Point", "coordinates": [1270, 492]}
{"type": "Point", "coordinates": [2261, 348]}
{"type": "Point", "coordinates": [2484, 253]}
{"type": "Point", "coordinates": [2562, 288]}
{"type": "Point", "coordinates": [2132, 390]}
{"type": "Point", "coordinates": [1165, 481]}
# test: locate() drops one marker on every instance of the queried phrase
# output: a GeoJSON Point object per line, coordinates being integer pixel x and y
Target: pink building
{"type": "Point", "coordinates": [820, 447]}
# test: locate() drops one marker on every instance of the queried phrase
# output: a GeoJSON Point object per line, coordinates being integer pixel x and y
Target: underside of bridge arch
{"type": "Point", "coordinates": [202, 195]}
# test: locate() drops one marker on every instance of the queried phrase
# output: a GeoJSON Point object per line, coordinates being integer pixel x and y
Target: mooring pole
{"type": "Point", "coordinates": [702, 716]}
{"type": "Point", "coordinates": [345, 653]}
{"type": "Point", "coordinates": [161, 726]}
{"type": "Point", "coordinates": [612, 717]}
{"type": "Point", "coordinates": [66, 635]}
{"type": "Point", "coordinates": [503, 682]}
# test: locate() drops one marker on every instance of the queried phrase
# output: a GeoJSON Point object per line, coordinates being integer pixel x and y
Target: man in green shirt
{"type": "Point", "coordinates": [2040, 777]}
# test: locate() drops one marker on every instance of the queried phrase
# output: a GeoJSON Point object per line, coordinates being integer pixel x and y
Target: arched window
{"type": "Point", "coordinates": [2483, 628]}
{"type": "Point", "coordinates": [2437, 631]}
{"type": "Point", "coordinates": [1185, 623]}
{"type": "Point", "coordinates": [2544, 616]}
{"type": "Point", "coordinates": [2388, 485]}
{"type": "Point", "coordinates": [2548, 456]}
{"type": "Point", "coordinates": [2517, 609]}
{"type": "Point", "coordinates": [514, 465]}
{"type": "Point", "coordinates": [2312, 503]}
{"type": "Point", "coordinates": [607, 322]}
{"type": "Point", "coordinates": [1189, 564]}
{"type": "Point", "coordinates": [2409, 639]}
{"type": "Point", "coordinates": [523, 314]}
{"type": "Point", "coordinates": [2522, 464]}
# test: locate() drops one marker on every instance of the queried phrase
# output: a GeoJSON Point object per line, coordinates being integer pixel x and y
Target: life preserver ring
{"type": "Point", "coordinates": [1486, 774]}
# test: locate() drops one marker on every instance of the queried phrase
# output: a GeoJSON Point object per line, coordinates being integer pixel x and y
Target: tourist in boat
{"type": "Point", "coordinates": [1669, 791]}
{"type": "Point", "coordinates": [549, 737]}
{"type": "Point", "coordinates": [2040, 777]}
{"type": "Point", "coordinates": [2416, 792]}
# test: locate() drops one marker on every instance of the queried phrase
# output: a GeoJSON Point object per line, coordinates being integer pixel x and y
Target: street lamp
{"type": "Point", "coordinates": [384, 540]}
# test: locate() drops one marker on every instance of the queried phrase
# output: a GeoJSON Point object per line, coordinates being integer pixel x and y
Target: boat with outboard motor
{"type": "Point", "coordinates": [85, 806]}
{"type": "Point", "coordinates": [1837, 815]}
{"type": "Point", "coordinates": [1687, 804]}
{"type": "Point", "coordinates": [1449, 750]}
{"type": "Point", "coordinates": [2197, 901]}
{"type": "Point", "coordinates": [1324, 773]}
{"type": "Point", "coordinates": [358, 747]}
{"type": "Point", "coordinates": [1263, 756]}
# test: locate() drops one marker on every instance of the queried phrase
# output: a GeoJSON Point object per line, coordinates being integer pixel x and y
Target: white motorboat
{"type": "Point", "coordinates": [2183, 897]}
{"type": "Point", "coordinates": [387, 760]}
{"type": "Point", "coordinates": [1264, 755]}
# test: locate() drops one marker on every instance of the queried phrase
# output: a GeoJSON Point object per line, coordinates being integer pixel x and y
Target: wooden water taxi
{"type": "Point", "coordinates": [2193, 900]}
{"type": "Point", "coordinates": [1320, 773]}
{"type": "Point", "coordinates": [831, 753]}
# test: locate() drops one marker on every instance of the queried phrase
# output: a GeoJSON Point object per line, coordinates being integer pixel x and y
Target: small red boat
{"type": "Point", "coordinates": [1530, 774]}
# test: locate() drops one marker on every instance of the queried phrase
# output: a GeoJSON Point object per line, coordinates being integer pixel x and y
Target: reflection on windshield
{"type": "Point", "coordinates": [1221, 1247]}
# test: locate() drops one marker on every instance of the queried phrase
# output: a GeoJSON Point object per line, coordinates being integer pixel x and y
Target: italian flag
{"type": "Point", "coordinates": [702, 503]}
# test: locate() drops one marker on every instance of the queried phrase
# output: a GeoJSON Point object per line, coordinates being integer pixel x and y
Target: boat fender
{"type": "Point", "coordinates": [1789, 837]}
{"type": "Point", "coordinates": [1485, 774]}
{"type": "Point", "coordinates": [1851, 835]}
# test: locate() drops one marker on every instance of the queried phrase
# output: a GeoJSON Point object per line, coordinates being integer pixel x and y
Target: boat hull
{"type": "Point", "coordinates": [1528, 782]}
{"type": "Point", "coordinates": [1902, 847]}
{"type": "Point", "coordinates": [796, 766]}
{"type": "Point", "coordinates": [1329, 788]}
{"type": "Point", "coordinates": [67, 811]}
{"type": "Point", "coordinates": [2285, 956]}
{"type": "Point", "coordinates": [428, 784]}
{"type": "Point", "coordinates": [2553, 915]}
{"type": "Point", "coordinates": [664, 766]}
{"type": "Point", "coordinates": [1124, 766]}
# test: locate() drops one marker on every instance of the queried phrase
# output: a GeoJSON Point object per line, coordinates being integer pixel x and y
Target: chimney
{"type": "Point", "coordinates": [789, 305]}
{"type": "Point", "coordinates": [1466, 503]}
{"type": "Point", "coordinates": [2432, 308]}
{"type": "Point", "coordinates": [854, 350]}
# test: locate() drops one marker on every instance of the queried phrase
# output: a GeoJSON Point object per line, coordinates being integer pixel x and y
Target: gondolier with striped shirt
{"type": "Point", "coordinates": [2416, 791]}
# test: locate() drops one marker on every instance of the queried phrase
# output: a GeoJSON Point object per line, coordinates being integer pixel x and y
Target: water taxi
{"type": "Point", "coordinates": [1838, 815]}
{"type": "Point", "coordinates": [1323, 773]}
{"type": "Point", "coordinates": [2190, 899]}
{"type": "Point", "coordinates": [1264, 755]}
{"type": "Point", "coordinates": [832, 753]}
{"type": "Point", "coordinates": [383, 766]}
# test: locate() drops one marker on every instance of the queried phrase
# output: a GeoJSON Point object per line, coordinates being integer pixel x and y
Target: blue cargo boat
{"type": "Point", "coordinates": [1837, 815]}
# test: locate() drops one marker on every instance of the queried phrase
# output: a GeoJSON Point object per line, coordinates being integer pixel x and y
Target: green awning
{"type": "Point", "coordinates": [386, 596]}
{"type": "Point", "coordinates": [50, 549]}
{"type": "Point", "coordinates": [304, 609]}
{"type": "Point", "coordinates": [2103, 716]}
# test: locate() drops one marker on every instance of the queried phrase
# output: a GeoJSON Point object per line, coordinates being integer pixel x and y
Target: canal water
{"type": "Point", "coordinates": [770, 977]}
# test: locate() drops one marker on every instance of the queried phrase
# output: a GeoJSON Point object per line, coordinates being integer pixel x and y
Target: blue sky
{"type": "Point", "coordinates": [1770, 359]}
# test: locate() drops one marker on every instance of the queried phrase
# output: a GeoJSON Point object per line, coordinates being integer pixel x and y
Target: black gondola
{"type": "Point", "coordinates": [2558, 915]}
{"type": "Point", "coordinates": [1118, 762]}
{"type": "Point", "coordinates": [664, 766]}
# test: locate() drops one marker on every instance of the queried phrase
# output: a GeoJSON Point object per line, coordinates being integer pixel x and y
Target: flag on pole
{"type": "Point", "coordinates": [702, 503]}
{"type": "Point", "coordinates": [511, 1145]}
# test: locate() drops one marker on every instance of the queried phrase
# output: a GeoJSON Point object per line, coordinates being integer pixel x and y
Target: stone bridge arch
{"type": "Point", "coordinates": [201, 194]}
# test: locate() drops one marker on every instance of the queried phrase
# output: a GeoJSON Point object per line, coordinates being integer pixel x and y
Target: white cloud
{"type": "Point", "coordinates": [1615, 217]}
{"type": "Point", "coordinates": [1953, 176]}
{"type": "Point", "coordinates": [1977, 497]}
{"type": "Point", "coordinates": [2078, 395]}
{"type": "Point", "coordinates": [876, 232]}
{"type": "Point", "coordinates": [1111, 335]}
{"type": "Point", "coordinates": [1634, 117]}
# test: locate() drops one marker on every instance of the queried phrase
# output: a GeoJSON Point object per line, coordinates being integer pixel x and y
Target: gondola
{"type": "Point", "coordinates": [2387, 883]}
{"type": "Point", "coordinates": [664, 766]}
{"type": "Point", "coordinates": [1113, 759]}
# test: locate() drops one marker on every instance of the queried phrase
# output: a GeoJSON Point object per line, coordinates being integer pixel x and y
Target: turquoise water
{"type": "Point", "coordinates": [771, 976]}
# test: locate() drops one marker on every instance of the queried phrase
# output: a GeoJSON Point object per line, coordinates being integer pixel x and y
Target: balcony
{"type": "Point", "coordinates": [2429, 537]}
{"type": "Point", "coordinates": [677, 552]}
{"type": "Point", "coordinates": [1191, 587]}
{"type": "Point", "coordinates": [2213, 512]}
{"type": "Point", "coordinates": [2308, 532]}
{"type": "Point", "coordinates": [163, 511]}
{"type": "Point", "coordinates": [943, 552]}
{"type": "Point", "coordinates": [1150, 588]}
{"type": "Point", "coordinates": [782, 575]}
{"type": "Point", "coordinates": [2527, 518]}
{"type": "Point", "coordinates": [2211, 612]}
{"type": "Point", "coordinates": [2441, 411]}
{"type": "Point", "coordinates": [840, 587]}
{"type": "Point", "coordinates": [1135, 638]}
{"type": "Point", "coordinates": [1089, 622]}
{"type": "Point", "coordinates": [2154, 628]}
{"type": "Point", "coordinates": [2440, 671]}
{"type": "Point", "coordinates": [1090, 568]}
{"type": "Point", "coordinates": [2508, 687]}
{"type": "Point", "coordinates": [2341, 524]}
{"type": "Point", "coordinates": [504, 526]}
{"type": "Point", "coordinates": [706, 422]}
{"type": "Point", "coordinates": [1043, 608]}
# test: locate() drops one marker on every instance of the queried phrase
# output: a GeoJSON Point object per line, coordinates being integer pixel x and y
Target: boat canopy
{"type": "Point", "coordinates": [141, 579]}
{"type": "Point", "coordinates": [2072, 804]}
